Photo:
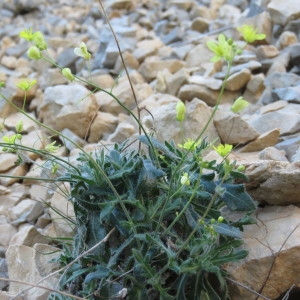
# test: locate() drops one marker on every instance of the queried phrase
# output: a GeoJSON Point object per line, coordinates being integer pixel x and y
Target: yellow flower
{"type": "Point", "coordinates": [223, 150]}
{"type": "Point", "coordinates": [223, 48]}
{"type": "Point", "coordinates": [51, 147]}
{"type": "Point", "coordinates": [250, 34]}
{"type": "Point", "coordinates": [190, 144]}
{"type": "Point", "coordinates": [26, 84]}
{"type": "Point", "coordinates": [82, 51]}
{"type": "Point", "coordinates": [180, 111]}
{"type": "Point", "coordinates": [27, 34]}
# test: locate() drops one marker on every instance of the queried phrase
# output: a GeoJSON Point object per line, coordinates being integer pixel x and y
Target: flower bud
{"type": "Point", "coordinates": [185, 179]}
{"type": "Point", "coordinates": [180, 110]}
{"type": "Point", "coordinates": [34, 53]}
{"type": "Point", "coordinates": [19, 126]}
{"type": "Point", "coordinates": [68, 74]}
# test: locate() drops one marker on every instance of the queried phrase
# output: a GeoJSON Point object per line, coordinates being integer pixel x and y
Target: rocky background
{"type": "Point", "coordinates": [164, 47]}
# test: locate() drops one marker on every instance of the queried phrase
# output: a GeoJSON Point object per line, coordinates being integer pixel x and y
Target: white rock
{"type": "Point", "coordinates": [62, 209]}
{"type": "Point", "coordinates": [7, 231]}
{"type": "Point", "coordinates": [283, 11]}
{"type": "Point", "coordinates": [31, 265]}
{"type": "Point", "coordinates": [68, 106]}
{"type": "Point", "coordinates": [28, 236]}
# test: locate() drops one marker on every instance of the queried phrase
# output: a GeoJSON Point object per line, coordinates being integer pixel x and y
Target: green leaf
{"type": "Point", "coordinates": [99, 273]}
{"type": "Point", "coordinates": [236, 198]}
{"type": "Point", "coordinates": [227, 230]}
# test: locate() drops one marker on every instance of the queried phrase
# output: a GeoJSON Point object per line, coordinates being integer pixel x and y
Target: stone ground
{"type": "Point", "coordinates": [164, 47]}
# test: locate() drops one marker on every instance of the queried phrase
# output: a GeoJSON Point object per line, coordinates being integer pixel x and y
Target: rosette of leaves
{"type": "Point", "coordinates": [168, 242]}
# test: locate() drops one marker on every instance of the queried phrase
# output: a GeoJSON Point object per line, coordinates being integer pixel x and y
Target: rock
{"type": "Point", "coordinates": [273, 106]}
{"type": "Point", "coordinates": [52, 77]}
{"type": "Point", "coordinates": [121, 4]}
{"type": "Point", "coordinates": [153, 64]}
{"type": "Point", "coordinates": [233, 129]}
{"type": "Point", "coordinates": [3, 274]}
{"type": "Point", "coordinates": [296, 156]}
{"type": "Point", "coordinates": [198, 55]}
{"type": "Point", "coordinates": [289, 94]}
{"type": "Point", "coordinates": [60, 211]}
{"type": "Point", "coordinates": [12, 196]}
{"type": "Point", "coordinates": [7, 161]}
{"type": "Point", "coordinates": [36, 140]}
{"type": "Point", "coordinates": [12, 175]}
{"type": "Point", "coordinates": [274, 182]}
{"type": "Point", "coordinates": [31, 265]}
{"type": "Point", "coordinates": [254, 88]}
{"type": "Point", "coordinates": [200, 24]}
{"type": "Point", "coordinates": [271, 120]}
{"type": "Point", "coordinates": [147, 48]}
{"type": "Point", "coordinates": [27, 210]}
{"type": "Point", "coordinates": [28, 124]}
{"type": "Point", "coordinates": [271, 153]}
{"type": "Point", "coordinates": [266, 51]}
{"type": "Point", "coordinates": [286, 39]}
{"type": "Point", "coordinates": [7, 231]}
{"type": "Point", "coordinates": [68, 106]}
{"type": "Point", "coordinates": [273, 245]}
{"type": "Point", "coordinates": [103, 124]}
{"type": "Point", "coordinates": [123, 93]}
{"type": "Point", "coordinates": [122, 132]}
{"type": "Point", "coordinates": [9, 62]}
{"type": "Point", "coordinates": [289, 145]}
{"type": "Point", "coordinates": [28, 235]}
{"type": "Point", "coordinates": [191, 91]}
{"type": "Point", "coordinates": [71, 140]}
{"type": "Point", "coordinates": [209, 82]}
{"type": "Point", "coordinates": [168, 129]}
{"type": "Point", "coordinates": [238, 80]}
{"type": "Point", "coordinates": [283, 12]}
{"type": "Point", "coordinates": [267, 139]}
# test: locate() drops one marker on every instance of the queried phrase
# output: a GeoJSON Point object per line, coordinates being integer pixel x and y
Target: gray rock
{"type": "Point", "coordinates": [281, 80]}
{"type": "Point", "coordinates": [290, 94]}
{"type": "Point", "coordinates": [286, 119]}
{"type": "Point", "coordinates": [290, 145]}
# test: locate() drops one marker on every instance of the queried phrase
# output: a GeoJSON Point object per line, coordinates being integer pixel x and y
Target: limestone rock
{"type": "Point", "coordinates": [274, 182]}
{"type": "Point", "coordinates": [7, 231]}
{"type": "Point", "coordinates": [274, 119]}
{"type": "Point", "coordinates": [267, 139]}
{"type": "Point", "coordinates": [28, 125]}
{"type": "Point", "coordinates": [153, 64]}
{"type": "Point", "coordinates": [62, 207]}
{"type": "Point", "coordinates": [287, 39]}
{"type": "Point", "coordinates": [238, 80]}
{"type": "Point", "coordinates": [31, 265]}
{"type": "Point", "coordinates": [7, 161]}
{"type": "Point", "coordinates": [103, 124]}
{"type": "Point", "coordinates": [168, 129]}
{"type": "Point", "coordinates": [272, 262]}
{"type": "Point", "coordinates": [271, 153]}
{"type": "Point", "coordinates": [289, 94]}
{"type": "Point", "coordinates": [68, 106]}
{"type": "Point", "coordinates": [283, 12]}
{"type": "Point", "coordinates": [28, 236]}
{"type": "Point", "coordinates": [233, 129]}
